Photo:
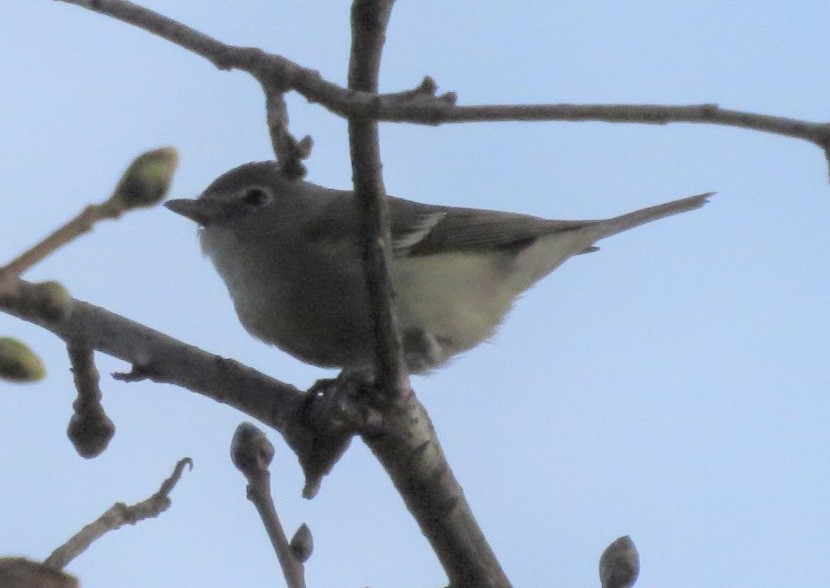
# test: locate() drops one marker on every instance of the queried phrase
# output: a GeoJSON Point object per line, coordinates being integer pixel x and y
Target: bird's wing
{"type": "Point", "coordinates": [425, 229]}
{"type": "Point", "coordinates": [421, 229]}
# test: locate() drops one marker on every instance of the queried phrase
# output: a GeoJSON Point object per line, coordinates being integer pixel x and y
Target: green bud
{"type": "Point", "coordinates": [18, 363]}
{"type": "Point", "coordinates": [53, 302]}
{"type": "Point", "coordinates": [147, 180]}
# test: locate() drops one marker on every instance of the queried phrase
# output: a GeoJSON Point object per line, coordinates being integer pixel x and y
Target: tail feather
{"type": "Point", "coordinates": [621, 223]}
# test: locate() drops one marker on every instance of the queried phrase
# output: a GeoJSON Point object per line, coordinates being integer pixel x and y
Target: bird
{"type": "Point", "coordinates": [290, 254]}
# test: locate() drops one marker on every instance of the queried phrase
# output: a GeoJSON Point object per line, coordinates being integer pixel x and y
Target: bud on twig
{"type": "Point", "coordinates": [147, 179]}
{"type": "Point", "coordinates": [51, 301]}
{"type": "Point", "coordinates": [251, 451]}
{"type": "Point", "coordinates": [302, 544]}
{"type": "Point", "coordinates": [18, 363]}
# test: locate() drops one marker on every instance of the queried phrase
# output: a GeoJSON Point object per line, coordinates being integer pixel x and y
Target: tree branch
{"type": "Point", "coordinates": [369, 20]}
{"type": "Point", "coordinates": [417, 106]}
{"type": "Point", "coordinates": [164, 359]}
{"type": "Point", "coordinates": [252, 453]}
{"type": "Point", "coordinates": [408, 447]}
{"type": "Point", "coordinates": [116, 517]}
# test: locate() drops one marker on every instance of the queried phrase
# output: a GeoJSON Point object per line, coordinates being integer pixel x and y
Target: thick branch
{"type": "Point", "coordinates": [369, 20]}
{"type": "Point", "coordinates": [408, 448]}
{"type": "Point", "coordinates": [161, 358]}
{"type": "Point", "coordinates": [412, 456]}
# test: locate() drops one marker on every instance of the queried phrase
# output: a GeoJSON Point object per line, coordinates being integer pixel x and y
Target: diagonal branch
{"type": "Point", "coordinates": [161, 358]}
{"type": "Point", "coordinates": [116, 517]}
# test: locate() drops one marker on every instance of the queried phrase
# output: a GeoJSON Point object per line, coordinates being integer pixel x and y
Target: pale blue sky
{"type": "Point", "coordinates": [673, 386]}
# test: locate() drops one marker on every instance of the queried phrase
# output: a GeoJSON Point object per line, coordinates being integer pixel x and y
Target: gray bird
{"type": "Point", "coordinates": [289, 252]}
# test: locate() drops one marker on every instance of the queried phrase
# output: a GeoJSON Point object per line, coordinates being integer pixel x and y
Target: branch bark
{"type": "Point", "coordinates": [163, 359]}
{"type": "Point", "coordinates": [279, 74]}
{"type": "Point", "coordinates": [408, 448]}
{"type": "Point", "coordinates": [369, 20]}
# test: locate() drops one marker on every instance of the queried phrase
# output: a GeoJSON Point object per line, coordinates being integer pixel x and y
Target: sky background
{"type": "Point", "coordinates": [673, 386]}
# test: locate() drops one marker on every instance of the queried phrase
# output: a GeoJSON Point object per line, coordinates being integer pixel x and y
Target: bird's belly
{"type": "Point", "coordinates": [322, 317]}
{"type": "Point", "coordinates": [324, 322]}
{"type": "Point", "coordinates": [458, 298]}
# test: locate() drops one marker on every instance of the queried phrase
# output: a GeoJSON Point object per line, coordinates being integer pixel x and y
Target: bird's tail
{"type": "Point", "coordinates": [621, 223]}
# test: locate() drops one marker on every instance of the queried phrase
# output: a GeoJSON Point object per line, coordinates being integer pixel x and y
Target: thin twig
{"type": "Point", "coordinates": [116, 516]}
{"type": "Point", "coordinates": [279, 74]}
{"type": "Point", "coordinates": [144, 183]}
{"type": "Point", "coordinates": [252, 453]}
{"type": "Point", "coordinates": [290, 152]}
{"type": "Point", "coordinates": [163, 359]}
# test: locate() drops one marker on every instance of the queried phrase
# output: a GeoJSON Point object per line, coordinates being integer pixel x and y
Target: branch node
{"type": "Point", "coordinates": [448, 98]}
{"type": "Point", "coordinates": [138, 372]}
{"type": "Point", "coordinates": [290, 153]}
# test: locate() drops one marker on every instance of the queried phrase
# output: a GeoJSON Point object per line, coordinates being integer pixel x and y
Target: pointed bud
{"type": "Point", "coordinates": [147, 180]}
{"type": "Point", "coordinates": [251, 451]}
{"type": "Point", "coordinates": [302, 544]}
{"type": "Point", "coordinates": [619, 564]}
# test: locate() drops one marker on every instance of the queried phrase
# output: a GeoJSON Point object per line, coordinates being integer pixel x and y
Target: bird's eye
{"type": "Point", "coordinates": [256, 196]}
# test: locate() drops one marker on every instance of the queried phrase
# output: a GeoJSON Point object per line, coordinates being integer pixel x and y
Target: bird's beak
{"type": "Point", "coordinates": [200, 211]}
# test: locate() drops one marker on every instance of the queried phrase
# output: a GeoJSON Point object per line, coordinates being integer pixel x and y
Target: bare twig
{"type": "Point", "coordinates": [116, 516]}
{"type": "Point", "coordinates": [139, 186]}
{"type": "Point", "coordinates": [252, 453]}
{"type": "Point", "coordinates": [279, 74]}
{"type": "Point", "coordinates": [290, 152]}
{"type": "Point", "coordinates": [161, 358]}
